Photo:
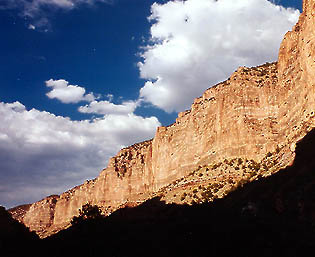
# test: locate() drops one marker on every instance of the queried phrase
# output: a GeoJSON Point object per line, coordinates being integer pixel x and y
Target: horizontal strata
{"type": "Point", "coordinates": [255, 112]}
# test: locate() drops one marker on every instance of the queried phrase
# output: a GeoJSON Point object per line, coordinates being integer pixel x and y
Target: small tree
{"type": "Point", "coordinates": [88, 212]}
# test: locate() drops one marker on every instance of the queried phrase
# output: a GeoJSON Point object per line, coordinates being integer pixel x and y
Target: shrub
{"type": "Point", "coordinates": [265, 167]}
{"type": "Point", "coordinates": [252, 174]}
{"type": "Point", "coordinates": [183, 197]}
{"type": "Point", "coordinates": [87, 212]}
{"type": "Point", "coordinates": [207, 195]}
{"type": "Point", "coordinates": [242, 182]}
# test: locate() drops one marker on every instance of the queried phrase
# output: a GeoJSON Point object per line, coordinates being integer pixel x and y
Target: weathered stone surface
{"type": "Point", "coordinates": [256, 111]}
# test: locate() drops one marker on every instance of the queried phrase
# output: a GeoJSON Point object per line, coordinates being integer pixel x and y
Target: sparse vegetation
{"type": "Point", "coordinates": [223, 177]}
{"type": "Point", "coordinates": [87, 212]}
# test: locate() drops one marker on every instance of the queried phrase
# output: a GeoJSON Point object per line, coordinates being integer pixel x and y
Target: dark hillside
{"type": "Point", "coordinates": [15, 238]}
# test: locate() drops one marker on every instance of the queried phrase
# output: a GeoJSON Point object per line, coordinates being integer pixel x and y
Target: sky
{"type": "Point", "coordinates": [80, 79]}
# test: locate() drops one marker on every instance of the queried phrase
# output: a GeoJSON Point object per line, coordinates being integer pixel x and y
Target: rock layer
{"type": "Point", "coordinates": [256, 111]}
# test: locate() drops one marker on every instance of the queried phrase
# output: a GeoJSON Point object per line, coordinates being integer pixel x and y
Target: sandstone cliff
{"type": "Point", "coordinates": [255, 117]}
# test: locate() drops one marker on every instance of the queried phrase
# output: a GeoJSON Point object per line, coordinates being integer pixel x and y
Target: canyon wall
{"type": "Point", "coordinates": [256, 111]}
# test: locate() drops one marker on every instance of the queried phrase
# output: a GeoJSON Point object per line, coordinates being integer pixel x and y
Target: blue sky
{"type": "Point", "coordinates": [95, 46]}
{"type": "Point", "coordinates": [80, 79]}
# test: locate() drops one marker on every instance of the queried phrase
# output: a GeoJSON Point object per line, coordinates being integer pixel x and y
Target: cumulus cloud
{"type": "Point", "coordinates": [43, 154]}
{"type": "Point", "coordinates": [106, 107]}
{"type": "Point", "coordinates": [66, 93]}
{"type": "Point", "coordinates": [197, 43]}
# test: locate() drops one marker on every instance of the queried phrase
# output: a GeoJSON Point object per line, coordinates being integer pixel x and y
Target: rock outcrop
{"type": "Point", "coordinates": [256, 112]}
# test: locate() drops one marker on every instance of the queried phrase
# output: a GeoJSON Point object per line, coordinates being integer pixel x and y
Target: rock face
{"type": "Point", "coordinates": [260, 110]}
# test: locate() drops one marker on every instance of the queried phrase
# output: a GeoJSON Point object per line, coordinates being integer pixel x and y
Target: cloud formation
{"type": "Point", "coordinates": [66, 93]}
{"type": "Point", "coordinates": [42, 154]}
{"type": "Point", "coordinates": [197, 43]}
{"type": "Point", "coordinates": [36, 10]}
{"type": "Point", "coordinates": [32, 8]}
{"type": "Point", "coordinates": [106, 107]}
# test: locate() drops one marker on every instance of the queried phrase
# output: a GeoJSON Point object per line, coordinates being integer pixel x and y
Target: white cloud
{"type": "Point", "coordinates": [43, 154]}
{"type": "Point", "coordinates": [197, 43]}
{"type": "Point", "coordinates": [66, 93]}
{"type": "Point", "coordinates": [106, 107]}
{"type": "Point", "coordinates": [37, 9]}
{"type": "Point", "coordinates": [16, 106]}
{"type": "Point", "coordinates": [32, 8]}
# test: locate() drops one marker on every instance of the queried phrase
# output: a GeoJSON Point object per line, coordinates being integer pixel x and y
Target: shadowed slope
{"type": "Point", "coordinates": [15, 238]}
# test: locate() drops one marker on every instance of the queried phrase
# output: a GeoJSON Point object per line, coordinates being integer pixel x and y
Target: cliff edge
{"type": "Point", "coordinates": [242, 129]}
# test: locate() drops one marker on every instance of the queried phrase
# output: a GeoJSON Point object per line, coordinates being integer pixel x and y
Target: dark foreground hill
{"type": "Point", "coordinates": [15, 238]}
